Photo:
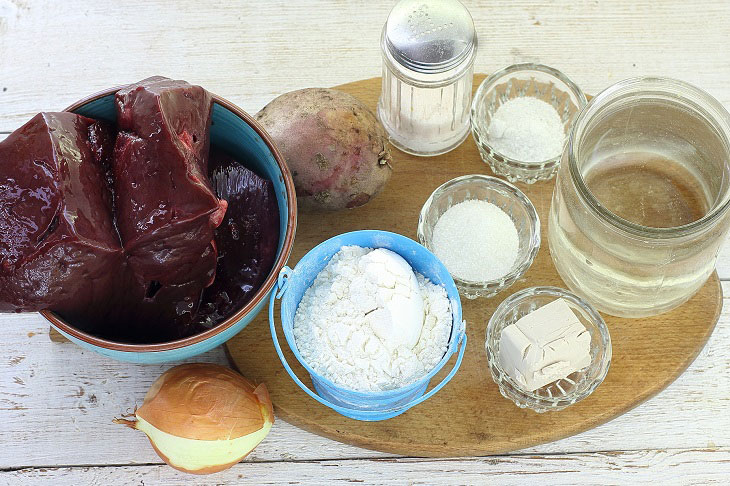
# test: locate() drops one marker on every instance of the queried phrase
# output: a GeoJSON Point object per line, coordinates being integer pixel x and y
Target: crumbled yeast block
{"type": "Point", "coordinates": [544, 346]}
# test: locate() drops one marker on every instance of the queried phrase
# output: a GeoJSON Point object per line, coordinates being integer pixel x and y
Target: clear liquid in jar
{"type": "Point", "coordinates": [648, 189]}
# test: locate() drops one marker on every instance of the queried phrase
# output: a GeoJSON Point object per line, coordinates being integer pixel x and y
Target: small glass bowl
{"type": "Point", "coordinates": [503, 195]}
{"type": "Point", "coordinates": [519, 80]}
{"type": "Point", "coordinates": [564, 392]}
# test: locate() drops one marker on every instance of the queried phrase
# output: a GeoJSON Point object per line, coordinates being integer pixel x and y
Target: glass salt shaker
{"type": "Point", "coordinates": [428, 65]}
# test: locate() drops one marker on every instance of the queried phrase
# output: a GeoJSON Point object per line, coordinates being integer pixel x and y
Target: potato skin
{"type": "Point", "coordinates": [334, 146]}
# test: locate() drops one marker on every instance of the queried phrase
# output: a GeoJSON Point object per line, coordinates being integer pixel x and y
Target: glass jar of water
{"type": "Point", "coordinates": [640, 205]}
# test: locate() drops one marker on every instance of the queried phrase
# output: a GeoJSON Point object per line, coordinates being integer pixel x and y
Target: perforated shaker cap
{"type": "Point", "coordinates": [430, 36]}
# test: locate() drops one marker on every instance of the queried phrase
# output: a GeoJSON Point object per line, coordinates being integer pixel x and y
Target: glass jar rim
{"type": "Point", "coordinates": [698, 100]}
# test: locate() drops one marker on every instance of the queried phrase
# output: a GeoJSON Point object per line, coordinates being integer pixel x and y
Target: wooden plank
{"type": "Point", "coordinates": [249, 52]}
{"type": "Point", "coordinates": [55, 393]}
{"type": "Point", "coordinates": [666, 467]}
{"type": "Point", "coordinates": [57, 402]}
{"type": "Point", "coordinates": [56, 336]}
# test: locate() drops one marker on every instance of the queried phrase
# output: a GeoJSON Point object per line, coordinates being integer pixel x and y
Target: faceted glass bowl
{"type": "Point", "coordinates": [564, 392]}
{"type": "Point", "coordinates": [520, 80]}
{"type": "Point", "coordinates": [503, 195]}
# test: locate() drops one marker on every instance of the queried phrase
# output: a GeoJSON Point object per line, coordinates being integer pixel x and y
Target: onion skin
{"type": "Point", "coordinates": [195, 409]}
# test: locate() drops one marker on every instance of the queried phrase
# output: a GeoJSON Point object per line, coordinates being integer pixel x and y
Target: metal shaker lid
{"type": "Point", "coordinates": [430, 36]}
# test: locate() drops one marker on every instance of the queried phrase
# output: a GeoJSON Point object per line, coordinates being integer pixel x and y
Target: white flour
{"type": "Point", "coordinates": [334, 335]}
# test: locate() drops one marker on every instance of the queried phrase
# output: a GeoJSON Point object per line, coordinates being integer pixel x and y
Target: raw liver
{"type": "Point", "coordinates": [247, 239]}
{"type": "Point", "coordinates": [117, 232]}
{"type": "Point", "coordinates": [59, 248]}
{"type": "Point", "coordinates": [166, 209]}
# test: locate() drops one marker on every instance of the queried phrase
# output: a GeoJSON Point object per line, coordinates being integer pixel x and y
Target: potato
{"type": "Point", "coordinates": [334, 146]}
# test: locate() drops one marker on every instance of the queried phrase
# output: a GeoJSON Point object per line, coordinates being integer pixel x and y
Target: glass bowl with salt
{"type": "Point", "coordinates": [483, 229]}
{"type": "Point", "coordinates": [520, 119]}
{"type": "Point", "coordinates": [559, 377]}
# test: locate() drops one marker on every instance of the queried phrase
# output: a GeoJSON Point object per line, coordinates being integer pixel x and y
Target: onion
{"type": "Point", "coordinates": [203, 418]}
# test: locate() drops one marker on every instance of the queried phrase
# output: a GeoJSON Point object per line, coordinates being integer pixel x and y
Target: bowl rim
{"type": "Point", "coordinates": [491, 80]}
{"type": "Point", "coordinates": [260, 294]}
{"type": "Point", "coordinates": [520, 267]}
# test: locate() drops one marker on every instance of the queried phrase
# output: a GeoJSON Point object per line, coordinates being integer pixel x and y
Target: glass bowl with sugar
{"type": "Point", "coordinates": [520, 119]}
{"type": "Point", "coordinates": [483, 229]}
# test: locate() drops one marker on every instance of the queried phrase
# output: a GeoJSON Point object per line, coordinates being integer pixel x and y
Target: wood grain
{"type": "Point", "coordinates": [53, 53]}
{"type": "Point", "coordinates": [469, 417]}
{"type": "Point", "coordinates": [664, 467]}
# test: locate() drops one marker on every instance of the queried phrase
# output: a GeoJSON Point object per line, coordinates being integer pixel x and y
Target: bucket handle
{"type": "Point", "coordinates": [278, 293]}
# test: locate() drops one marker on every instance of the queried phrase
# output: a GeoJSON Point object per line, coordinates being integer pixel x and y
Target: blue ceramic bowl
{"type": "Point", "coordinates": [240, 135]}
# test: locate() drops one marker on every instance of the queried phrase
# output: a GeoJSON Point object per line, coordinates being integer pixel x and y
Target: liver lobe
{"type": "Point", "coordinates": [59, 248]}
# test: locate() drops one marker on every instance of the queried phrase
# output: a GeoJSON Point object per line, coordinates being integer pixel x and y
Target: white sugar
{"type": "Point", "coordinates": [527, 129]}
{"type": "Point", "coordinates": [476, 240]}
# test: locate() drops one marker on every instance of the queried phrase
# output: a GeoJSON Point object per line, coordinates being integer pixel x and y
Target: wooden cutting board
{"type": "Point", "coordinates": [469, 416]}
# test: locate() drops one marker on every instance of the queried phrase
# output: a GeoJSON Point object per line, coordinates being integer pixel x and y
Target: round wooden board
{"type": "Point", "coordinates": [469, 416]}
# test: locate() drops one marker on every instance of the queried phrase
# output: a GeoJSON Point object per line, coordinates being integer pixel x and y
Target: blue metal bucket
{"type": "Point", "coordinates": [362, 405]}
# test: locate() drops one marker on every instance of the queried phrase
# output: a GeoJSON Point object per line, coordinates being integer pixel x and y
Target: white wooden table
{"type": "Point", "coordinates": [57, 401]}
